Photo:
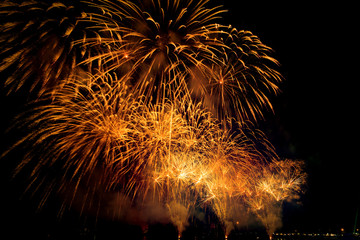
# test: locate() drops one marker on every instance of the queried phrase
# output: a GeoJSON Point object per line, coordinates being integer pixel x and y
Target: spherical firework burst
{"type": "Point", "coordinates": [244, 77]}
{"type": "Point", "coordinates": [174, 49]}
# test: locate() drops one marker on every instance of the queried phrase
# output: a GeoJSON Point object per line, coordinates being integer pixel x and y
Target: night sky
{"type": "Point", "coordinates": [315, 116]}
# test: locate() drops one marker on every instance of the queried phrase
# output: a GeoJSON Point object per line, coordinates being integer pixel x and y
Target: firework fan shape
{"type": "Point", "coordinates": [140, 102]}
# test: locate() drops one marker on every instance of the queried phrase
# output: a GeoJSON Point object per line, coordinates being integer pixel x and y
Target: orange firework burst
{"type": "Point", "coordinates": [149, 101]}
{"type": "Point", "coordinates": [281, 181]}
{"type": "Point", "coordinates": [76, 132]}
{"type": "Point", "coordinates": [174, 49]}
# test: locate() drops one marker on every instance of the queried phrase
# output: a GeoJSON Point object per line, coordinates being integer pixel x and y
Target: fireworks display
{"type": "Point", "coordinates": [150, 102]}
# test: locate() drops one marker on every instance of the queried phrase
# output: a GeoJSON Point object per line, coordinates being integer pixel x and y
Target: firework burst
{"type": "Point", "coordinates": [151, 101]}
{"type": "Point", "coordinates": [174, 49]}
{"type": "Point", "coordinates": [281, 181]}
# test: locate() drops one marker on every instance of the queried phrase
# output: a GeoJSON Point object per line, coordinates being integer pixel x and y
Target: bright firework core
{"type": "Point", "coordinates": [147, 106]}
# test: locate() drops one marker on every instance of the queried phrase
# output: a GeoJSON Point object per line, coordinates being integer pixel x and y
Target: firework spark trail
{"type": "Point", "coordinates": [188, 56]}
{"type": "Point", "coordinates": [243, 77]}
{"type": "Point", "coordinates": [158, 49]}
{"type": "Point", "coordinates": [43, 31]}
{"type": "Point", "coordinates": [150, 100]}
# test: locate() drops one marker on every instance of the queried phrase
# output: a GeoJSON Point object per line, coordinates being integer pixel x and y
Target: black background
{"type": "Point", "coordinates": [316, 114]}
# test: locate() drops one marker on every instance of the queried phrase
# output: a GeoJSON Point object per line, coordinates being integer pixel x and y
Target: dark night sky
{"type": "Point", "coordinates": [314, 116]}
